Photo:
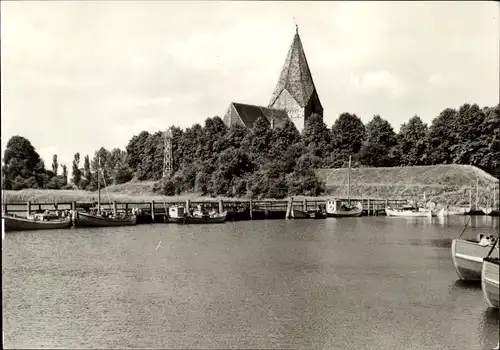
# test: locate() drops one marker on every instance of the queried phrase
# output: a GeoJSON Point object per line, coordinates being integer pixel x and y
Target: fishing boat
{"type": "Point", "coordinates": [337, 208]}
{"type": "Point", "coordinates": [177, 214]}
{"type": "Point", "coordinates": [101, 220]}
{"type": "Point", "coordinates": [299, 214]}
{"type": "Point", "coordinates": [409, 211]}
{"type": "Point", "coordinates": [14, 223]}
{"type": "Point", "coordinates": [490, 277]}
{"type": "Point", "coordinates": [98, 218]}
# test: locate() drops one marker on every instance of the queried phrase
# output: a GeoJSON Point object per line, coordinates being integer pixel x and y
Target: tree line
{"type": "Point", "coordinates": [270, 162]}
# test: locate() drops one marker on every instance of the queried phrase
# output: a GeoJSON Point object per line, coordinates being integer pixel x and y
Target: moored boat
{"type": "Point", "coordinates": [490, 278]}
{"type": "Point", "coordinates": [299, 214]}
{"type": "Point", "coordinates": [177, 214]}
{"type": "Point", "coordinates": [468, 257]}
{"type": "Point", "coordinates": [13, 223]}
{"type": "Point", "coordinates": [97, 220]}
{"type": "Point", "coordinates": [409, 212]}
{"type": "Point", "coordinates": [336, 208]}
{"type": "Point", "coordinates": [449, 211]}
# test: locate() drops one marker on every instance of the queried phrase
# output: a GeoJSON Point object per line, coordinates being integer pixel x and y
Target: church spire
{"type": "Point", "coordinates": [296, 76]}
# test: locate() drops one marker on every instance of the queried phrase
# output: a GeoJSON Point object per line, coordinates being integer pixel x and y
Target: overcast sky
{"type": "Point", "coordinates": [80, 75]}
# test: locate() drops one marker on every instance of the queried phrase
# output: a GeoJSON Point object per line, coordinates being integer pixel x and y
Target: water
{"type": "Point", "coordinates": [360, 283]}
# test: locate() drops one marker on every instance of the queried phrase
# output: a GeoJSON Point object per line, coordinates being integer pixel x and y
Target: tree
{"type": "Point", "coordinates": [77, 174]}
{"type": "Point", "coordinates": [317, 137]}
{"type": "Point", "coordinates": [55, 165]}
{"type": "Point", "coordinates": [378, 148]}
{"type": "Point", "coordinates": [64, 174]}
{"type": "Point", "coordinates": [87, 173]}
{"type": "Point", "coordinates": [442, 138]}
{"type": "Point", "coordinates": [348, 135]}
{"type": "Point", "coordinates": [412, 142]}
{"type": "Point", "coordinates": [23, 167]}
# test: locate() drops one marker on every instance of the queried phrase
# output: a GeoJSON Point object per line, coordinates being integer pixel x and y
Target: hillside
{"type": "Point", "coordinates": [441, 183]}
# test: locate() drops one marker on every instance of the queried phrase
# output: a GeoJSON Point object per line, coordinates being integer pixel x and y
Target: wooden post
{"type": "Point", "coordinates": [304, 204]}
{"type": "Point", "coordinates": [114, 208]}
{"type": "Point", "coordinates": [221, 206]}
{"type": "Point", "coordinates": [368, 212]}
{"type": "Point", "coordinates": [126, 208]}
{"type": "Point", "coordinates": [73, 206]}
{"type": "Point", "coordinates": [188, 205]}
{"type": "Point", "coordinates": [4, 208]}
{"type": "Point", "coordinates": [386, 204]}
{"type": "Point", "coordinates": [55, 205]}
{"type": "Point", "coordinates": [28, 208]}
{"type": "Point", "coordinates": [251, 209]}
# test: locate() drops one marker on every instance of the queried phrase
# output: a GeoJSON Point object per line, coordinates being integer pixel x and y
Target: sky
{"type": "Point", "coordinates": [80, 75]}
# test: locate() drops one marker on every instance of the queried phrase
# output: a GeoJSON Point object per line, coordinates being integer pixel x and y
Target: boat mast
{"type": "Point", "coordinates": [98, 186]}
{"type": "Point", "coordinates": [477, 192]}
{"type": "Point", "coordinates": [349, 183]}
{"type": "Point", "coordinates": [470, 197]}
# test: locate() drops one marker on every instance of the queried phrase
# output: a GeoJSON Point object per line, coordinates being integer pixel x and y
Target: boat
{"type": "Point", "coordinates": [409, 211]}
{"type": "Point", "coordinates": [490, 277]}
{"type": "Point", "coordinates": [337, 208]}
{"type": "Point", "coordinates": [99, 219]}
{"type": "Point", "coordinates": [177, 214]}
{"type": "Point", "coordinates": [14, 223]}
{"type": "Point", "coordinates": [299, 214]}
{"type": "Point", "coordinates": [449, 211]}
{"type": "Point", "coordinates": [467, 257]}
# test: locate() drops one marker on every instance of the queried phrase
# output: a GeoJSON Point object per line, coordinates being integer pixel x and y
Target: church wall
{"type": "Point", "coordinates": [295, 112]}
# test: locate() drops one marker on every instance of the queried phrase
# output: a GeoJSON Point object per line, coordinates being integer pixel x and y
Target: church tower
{"type": "Point", "coordinates": [295, 91]}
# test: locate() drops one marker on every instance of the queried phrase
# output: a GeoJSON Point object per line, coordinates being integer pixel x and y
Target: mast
{"type": "Point", "coordinates": [349, 183]}
{"type": "Point", "coordinates": [477, 192]}
{"type": "Point", "coordinates": [98, 185]}
{"type": "Point", "coordinates": [470, 197]}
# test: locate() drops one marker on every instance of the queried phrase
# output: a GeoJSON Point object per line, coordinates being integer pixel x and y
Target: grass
{"type": "Point", "coordinates": [444, 184]}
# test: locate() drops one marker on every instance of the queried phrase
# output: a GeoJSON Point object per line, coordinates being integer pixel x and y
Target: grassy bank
{"type": "Point", "coordinates": [441, 183]}
{"type": "Point", "coordinates": [445, 184]}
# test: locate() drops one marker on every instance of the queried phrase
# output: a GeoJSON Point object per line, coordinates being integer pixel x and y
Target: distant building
{"type": "Point", "coordinates": [295, 96]}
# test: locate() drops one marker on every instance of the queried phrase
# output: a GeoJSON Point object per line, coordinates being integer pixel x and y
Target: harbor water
{"type": "Point", "coordinates": [353, 283]}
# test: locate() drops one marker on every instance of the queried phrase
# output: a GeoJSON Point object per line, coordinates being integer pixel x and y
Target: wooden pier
{"type": "Point", "coordinates": [157, 211]}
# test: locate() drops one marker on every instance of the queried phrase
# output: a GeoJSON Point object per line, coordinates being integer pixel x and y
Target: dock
{"type": "Point", "coordinates": [157, 211]}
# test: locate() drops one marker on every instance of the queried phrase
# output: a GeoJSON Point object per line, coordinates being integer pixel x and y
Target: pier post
{"type": "Point", "coordinates": [289, 208]}
{"type": "Point", "coordinates": [304, 204]}
{"type": "Point", "coordinates": [386, 203]}
{"type": "Point", "coordinates": [221, 206]}
{"type": "Point", "coordinates": [368, 211]}
{"type": "Point", "coordinates": [188, 205]}
{"type": "Point", "coordinates": [73, 206]}
{"type": "Point", "coordinates": [28, 209]}
{"type": "Point", "coordinates": [251, 209]}
{"type": "Point", "coordinates": [153, 211]}
{"type": "Point", "coordinates": [55, 205]}
{"type": "Point", "coordinates": [4, 208]}
{"type": "Point", "coordinates": [126, 208]}
{"type": "Point", "coordinates": [114, 208]}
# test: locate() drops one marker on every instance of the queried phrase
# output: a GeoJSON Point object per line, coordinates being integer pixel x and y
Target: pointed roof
{"type": "Point", "coordinates": [295, 75]}
{"type": "Point", "coordinates": [250, 113]}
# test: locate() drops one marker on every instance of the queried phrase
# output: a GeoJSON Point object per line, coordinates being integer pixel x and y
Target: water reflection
{"type": "Point", "coordinates": [488, 328]}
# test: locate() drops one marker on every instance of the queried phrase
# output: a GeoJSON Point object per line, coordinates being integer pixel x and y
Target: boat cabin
{"type": "Point", "coordinates": [176, 212]}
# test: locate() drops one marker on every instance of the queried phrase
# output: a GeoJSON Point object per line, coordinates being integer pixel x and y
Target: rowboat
{"type": "Point", "coordinates": [176, 214]}
{"type": "Point", "coordinates": [97, 220]}
{"type": "Point", "coordinates": [468, 257]}
{"type": "Point", "coordinates": [490, 277]}
{"type": "Point", "coordinates": [13, 223]}
{"type": "Point", "coordinates": [409, 212]}
{"type": "Point", "coordinates": [337, 209]}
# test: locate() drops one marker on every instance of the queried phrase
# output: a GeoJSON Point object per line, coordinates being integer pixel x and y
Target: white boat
{"type": "Point", "coordinates": [447, 211]}
{"type": "Point", "coordinates": [468, 257]}
{"type": "Point", "coordinates": [337, 209]}
{"type": "Point", "coordinates": [490, 277]}
{"type": "Point", "coordinates": [409, 212]}
{"type": "Point", "coordinates": [178, 215]}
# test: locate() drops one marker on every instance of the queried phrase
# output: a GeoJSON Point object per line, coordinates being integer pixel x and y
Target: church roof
{"type": "Point", "coordinates": [295, 75]}
{"type": "Point", "coordinates": [250, 113]}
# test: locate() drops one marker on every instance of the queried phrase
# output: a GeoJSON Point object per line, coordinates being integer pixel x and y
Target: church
{"type": "Point", "coordinates": [294, 97]}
